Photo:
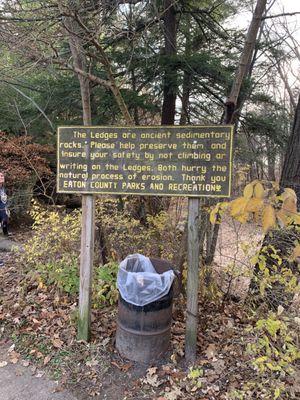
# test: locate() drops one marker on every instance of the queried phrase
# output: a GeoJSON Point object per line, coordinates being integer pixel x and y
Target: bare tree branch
{"type": "Point", "coordinates": [35, 104]}
{"type": "Point", "coordinates": [133, 2]}
{"type": "Point", "coordinates": [281, 15]}
{"type": "Point", "coordinates": [107, 65]}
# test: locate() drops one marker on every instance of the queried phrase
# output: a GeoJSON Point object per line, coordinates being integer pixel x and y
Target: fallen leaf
{"type": "Point", "coordinates": [219, 366]}
{"type": "Point", "coordinates": [46, 360]}
{"type": "Point", "coordinates": [18, 372]}
{"type": "Point", "coordinates": [152, 378]}
{"type": "Point", "coordinates": [104, 342]}
{"type": "Point", "coordinates": [92, 363]}
{"type": "Point", "coordinates": [123, 367]}
{"type": "Point", "coordinates": [151, 371]}
{"type": "Point", "coordinates": [12, 348]}
{"type": "Point", "coordinates": [25, 363]}
{"type": "Point", "coordinates": [3, 364]}
{"type": "Point", "coordinates": [210, 352]}
{"type": "Point", "coordinates": [14, 357]}
{"type": "Point", "coordinates": [57, 343]}
{"type": "Point", "coordinates": [174, 394]}
{"type": "Point", "coordinates": [280, 310]}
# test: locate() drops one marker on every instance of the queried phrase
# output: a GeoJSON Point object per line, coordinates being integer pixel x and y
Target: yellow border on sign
{"type": "Point", "coordinates": [149, 127]}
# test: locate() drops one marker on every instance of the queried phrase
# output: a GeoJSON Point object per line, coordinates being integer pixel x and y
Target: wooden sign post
{"type": "Point", "coordinates": [86, 267]}
{"type": "Point", "coordinates": [192, 288]}
{"type": "Point", "coordinates": [192, 161]}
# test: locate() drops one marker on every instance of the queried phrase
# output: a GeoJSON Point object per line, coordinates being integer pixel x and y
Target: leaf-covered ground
{"type": "Point", "coordinates": [39, 326]}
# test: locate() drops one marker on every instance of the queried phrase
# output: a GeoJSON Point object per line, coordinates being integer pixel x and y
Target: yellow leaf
{"type": "Point", "coordinates": [41, 285]}
{"type": "Point", "coordinates": [259, 191]}
{"type": "Point", "coordinates": [237, 206]}
{"type": "Point", "coordinates": [248, 191]}
{"type": "Point", "coordinates": [224, 205]}
{"type": "Point", "coordinates": [296, 253]}
{"type": "Point", "coordinates": [213, 216]}
{"type": "Point", "coordinates": [268, 218]}
{"type": "Point", "coordinates": [296, 218]}
{"type": "Point", "coordinates": [260, 360]}
{"type": "Point", "coordinates": [243, 218]}
{"type": "Point", "coordinates": [277, 393]}
{"type": "Point", "coordinates": [275, 186]}
{"type": "Point", "coordinates": [289, 193]}
{"type": "Point", "coordinates": [216, 213]}
{"type": "Point", "coordinates": [281, 215]}
{"type": "Point", "coordinates": [254, 205]}
{"type": "Point", "coordinates": [289, 205]}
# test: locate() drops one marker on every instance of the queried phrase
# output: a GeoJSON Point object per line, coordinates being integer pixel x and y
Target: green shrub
{"type": "Point", "coordinates": [105, 284]}
{"type": "Point", "coordinates": [51, 256]}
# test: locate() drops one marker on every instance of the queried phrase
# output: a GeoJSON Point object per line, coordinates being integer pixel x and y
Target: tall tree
{"type": "Point", "coordinates": [245, 61]}
{"type": "Point", "coordinates": [290, 176]}
{"type": "Point", "coordinates": [73, 32]}
{"type": "Point", "coordinates": [232, 100]}
{"type": "Point", "coordinates": [170, 85]}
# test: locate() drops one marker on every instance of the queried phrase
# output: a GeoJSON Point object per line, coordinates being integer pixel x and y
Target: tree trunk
{"type": "Point", "coordinates": [287, 86]}
{"type": "Point", "coordinates": [187, 79]}
{"type": "Point", "coordinates": [170, 77]}
{"type": "Point", "coordinates": [79, 59]}
{"type": "Point", "coordinates": [245, 61]}
{"type": "Point", "coordinates": [232, 100]}
{"type": "Point", "coordinates": [290, 176]}
{"type": "Point", "coordinates": [135, 107]}
{"type": "Point", "coordinates": [271, 158]}
{"type": "Point", "coordinates": [185, 101]}
{"type": "Point", "coordinates": [88, 202]}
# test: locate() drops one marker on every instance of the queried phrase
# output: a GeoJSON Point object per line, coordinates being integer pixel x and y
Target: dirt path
{"type": "Point", "coordinates": [18, 382]}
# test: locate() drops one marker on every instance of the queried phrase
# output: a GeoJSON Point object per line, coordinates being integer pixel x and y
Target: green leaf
{"type": "Point", "coordinates": [277, 393]}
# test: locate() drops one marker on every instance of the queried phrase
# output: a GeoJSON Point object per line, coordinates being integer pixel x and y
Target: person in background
{"type": "Point", "coordinates": [3, 206]}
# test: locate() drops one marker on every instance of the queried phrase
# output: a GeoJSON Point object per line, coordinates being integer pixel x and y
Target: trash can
{"type": "Point", "coordinates": [144, 308]}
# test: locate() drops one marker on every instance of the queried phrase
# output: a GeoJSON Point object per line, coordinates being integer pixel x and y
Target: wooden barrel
{"type": "Point", "coordinates": [143, 333]}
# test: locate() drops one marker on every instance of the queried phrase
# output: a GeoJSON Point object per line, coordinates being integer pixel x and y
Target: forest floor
{"type": "Point", "coordinates": [38, 329]}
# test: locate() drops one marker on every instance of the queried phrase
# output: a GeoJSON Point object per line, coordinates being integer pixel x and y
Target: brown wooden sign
{"type": "Point", "coordinates": [192, 161]}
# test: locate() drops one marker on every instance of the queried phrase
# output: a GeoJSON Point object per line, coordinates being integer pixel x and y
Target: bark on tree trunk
{"type": "Point", "coordinates": [245, 60]}
{"type": "Point", "coordinates": [271, 162]}
{"type": "Point", "coordinates": [170, 77]}
{"type": "Point", "coordinates": [290, 176]}
{"type": "Point", "coordinates": [79, 61]}
{"type": "Point", "coordinates": [187, 81]}
{"type": "Point", "coordinates": [186, 88]}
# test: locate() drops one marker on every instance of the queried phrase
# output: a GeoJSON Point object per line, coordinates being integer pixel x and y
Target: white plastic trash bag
{"type": "Point", "coordinates": [139, 283]}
